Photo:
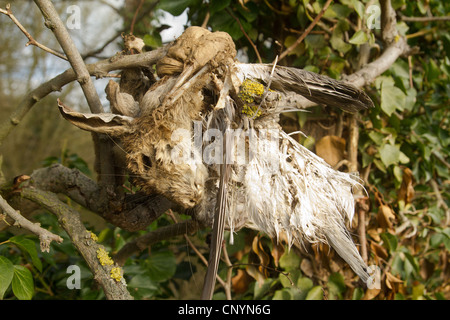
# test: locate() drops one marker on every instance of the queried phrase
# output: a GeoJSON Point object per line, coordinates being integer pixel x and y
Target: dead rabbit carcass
{"type": "Point", "coordinates": [205, 109]}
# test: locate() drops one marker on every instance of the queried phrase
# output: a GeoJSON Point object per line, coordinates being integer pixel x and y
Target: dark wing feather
{"type": "Point", "coordinates": [314, 87]}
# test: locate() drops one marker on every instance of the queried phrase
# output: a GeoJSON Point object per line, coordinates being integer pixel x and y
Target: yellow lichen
{"type": "Point", "coordinates": [248, 91]}
{"type": "Point", "coordinates": [93, 236]}
{"type": "Point", "coordinates": [250, 110]}
{"type": "Point", "coordinates": [104, 258]}
{"type": "Point", "coordinates": [116, 274]}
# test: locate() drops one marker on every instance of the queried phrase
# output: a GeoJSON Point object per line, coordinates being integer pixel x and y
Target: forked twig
{"type": "Point", "coordinates": [7, 11]}
{"type": "Point", "coordinates": [45, 236]}
{"type": "Point", "coordinates": [245, 34]}
{"type": "Point", "coordinates": [307, 31]}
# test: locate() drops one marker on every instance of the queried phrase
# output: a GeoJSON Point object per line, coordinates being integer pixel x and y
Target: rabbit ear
{"type": "Point", "coordinates": [112, 124]}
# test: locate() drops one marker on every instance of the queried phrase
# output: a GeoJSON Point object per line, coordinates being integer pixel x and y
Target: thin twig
{"type": "Point", "coordinates": [31, 41]}
{"type": "Point", "coordinates": [205, 21]}
{"type": "Point", "coordinates": [102, 143]}
{"type": "Point", "coordinates": [45, 236]}
{"type": "Point", "coordinates": [246, 35]}
{"type": "Point", "coordinates": [227, 260]}
{"type": "Point", "coordinates": [194, 248]}
{"type": "Point", "coordinates": [425, 19]}
{"type": "Point", "coordinates": [440, 201]}
{"type": "Point", "coordinates": [307, 31]}
{"type": "Point", "coordinates": [135, 16]}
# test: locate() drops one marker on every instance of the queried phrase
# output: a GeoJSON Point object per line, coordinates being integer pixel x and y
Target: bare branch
{"type": "Point", "coordinates": [70, 220]}
{"type": "Point", "coordinates": [131, 212]}
{"type": "Point", "coordinates": [425, 19]}
{"type": "Point", "coordinates": [369, 72]}
{"type": "Point", "coordinates": [99, 69]}
{"type": "Point", "coordinates": [396, 47]}
{"type": "Point", "coordinates": [307, 31]}
{"type": "Point", "coordinates": [54, 23]}
{"type": "Point", "coordinates": [45, 236]}
{"type": "Point", "coordinates": [7, 11]}
{"type": "Point", "coordinates": [245, 34]}
{"type": "Point", "coordinates": [141, 2]}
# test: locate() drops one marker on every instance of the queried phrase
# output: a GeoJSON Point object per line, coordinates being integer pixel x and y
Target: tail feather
{"type": "Point", "coordinates": [344, 246]}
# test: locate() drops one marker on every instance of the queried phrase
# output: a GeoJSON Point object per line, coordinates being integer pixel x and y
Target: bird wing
{"type": "Point", "coordinates": [316, 88]}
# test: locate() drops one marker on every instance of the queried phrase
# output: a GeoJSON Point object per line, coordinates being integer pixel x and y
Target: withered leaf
{"type": "Point", "coordinates": [277, 252]}
{"type": "Point", "coordinates": [241, 281]}
{"type": "Point", "coordinates": [370, 294]}
{"type": "Point", "coordinates": [385, 217]}
{"type": "Point", "coordinates": [331, 149]}
{"type": "Point", "coordinates": [378, 250]}
{"type": "Point", "coordinates": [307, 268]}
{"type": "Point", "coordinates": [392, 280]}
{"type": "Point", "coordinates": [406, 192]}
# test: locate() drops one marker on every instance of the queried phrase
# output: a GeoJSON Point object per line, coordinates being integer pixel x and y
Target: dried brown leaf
{"type": "Point", "coordinates": [241, 281]}
{"type": "Point", "coordinates": [391, 280]}
{"type": "Point", "coordinates": [385, 217]}
{"type": "Point", "coordinates": [331, 149]}
{"type": "Point", "coordinates": [378, 250]}
{"type": "Point", "coordinates": [277, 252]}
{"type": "Point", "coordinates": [406, 192]}
{"type": "Point", "coordinates": [307, 267]}
{"type": "Point", "coordinates": [370, 294]}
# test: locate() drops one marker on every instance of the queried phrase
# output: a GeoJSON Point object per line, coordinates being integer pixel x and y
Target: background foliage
{"type": "Point", "coordinates": [403, 159]}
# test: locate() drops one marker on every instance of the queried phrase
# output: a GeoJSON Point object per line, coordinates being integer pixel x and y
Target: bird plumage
{"type": "Point", "coordinates": [275, 185]}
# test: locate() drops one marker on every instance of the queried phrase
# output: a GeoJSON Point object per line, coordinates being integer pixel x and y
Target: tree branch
{"type": "Point", "coordinates": [307, 31]}
{"type": "Point", "coordinates": [424, 19]}
{"type": "Point", "coordinates": [131, 212]}
{"type": "Point", "coordinates": [45, 236]}
{"type": "Point", "coordinates": [103, 145]}
{"type": "Point", "coordinates": [69, 219]}
{"type": "Point", "coordinates": [99, 69]}
{"type": "Point", "coordinates": [396, 46]}
{"type": "Point", "coordinates": [7, 11]}
{"type": "Point", "coordinates": [56, 25]}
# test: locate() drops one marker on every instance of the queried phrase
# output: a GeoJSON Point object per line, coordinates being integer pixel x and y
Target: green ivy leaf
{"type": "Point", "coordinates": [283, 294]}
{"type": "Point", "coordinates": [176, 7]}
{"type": "Point", "coordinates": [22, 283]}
{"type": "Point", "coordinates": [336, 284]}
{"type": "Point", "coordinates": [29, 247]}
{"type": "Point", "coordinates": [392, 98]}
{"type": "Point", "coordinates": [390, 240]}
{"type": "Point", "coordinates": [315, 293]}
{"type": "Point", "coordinates": [218, 5]}
{"type": "Point", "coordinates": [359, 8]}
{"type": "Point", "coordinates": [389, 154]}
{"type": "Point", "coordinates": [261, 289]}
{"type": "Point", "coordinates": [152, 41]}
{"type": "Point", "coordinates": [6, 274]}
{"type": "Point", "coordinates": [304, 285]}
{"type": "Point", "coordinates": [359, 37]}
{"type": "Point", "coordinates": [290, 261]}
{"type": "Point", "coordinates": [162, 265]}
